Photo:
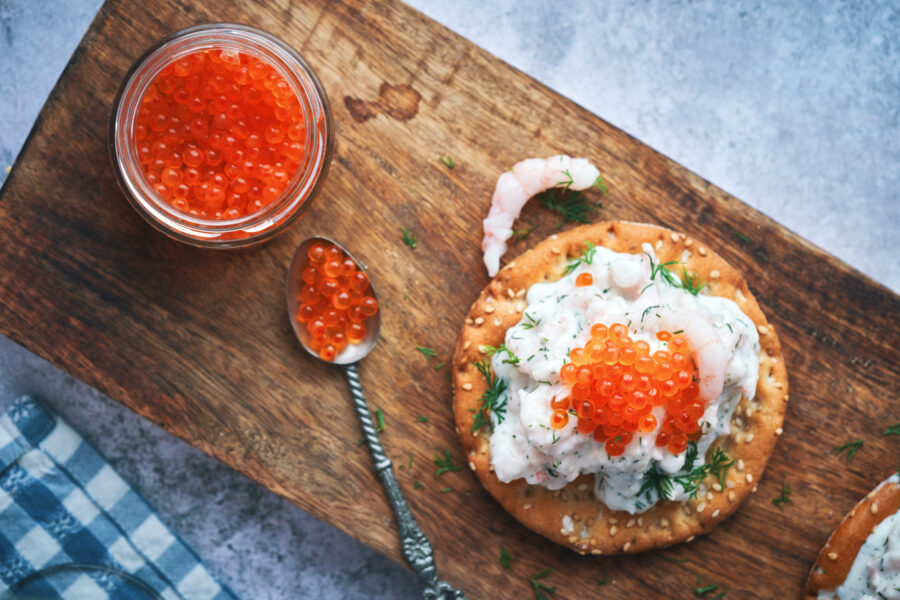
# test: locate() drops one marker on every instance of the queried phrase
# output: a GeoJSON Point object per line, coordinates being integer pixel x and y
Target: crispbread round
{"type": "Point", "coordinates": [598, 530]}
{"type": "Point", "coordinates": [837, 555]}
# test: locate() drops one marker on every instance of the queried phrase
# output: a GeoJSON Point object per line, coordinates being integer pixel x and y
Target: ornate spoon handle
{"type": "Point", "coordinates": [416, 547]}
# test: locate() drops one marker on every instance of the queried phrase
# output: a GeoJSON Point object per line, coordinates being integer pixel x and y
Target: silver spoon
{"type": "Point", "coordinates": [416, 548]}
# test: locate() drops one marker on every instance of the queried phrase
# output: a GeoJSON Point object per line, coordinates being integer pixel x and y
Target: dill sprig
{"type": "Point", "coordinates": [691, 283]}
{"type": "Point", "coordinates": [570, 204]}
{"type": "Point", "coordinates": [702, 590]}
{"type": "Point", "coordinates": [587, 257]}
{"type": "Point", "coordinates": [743, 238]}
{"type": "Point", "coordinates": [444, 464]}
{"type": "Point", "coordinates": [540, 588]}
{"type": "Point", "coordinates": [418, 485]}
{"type": "Point", "coordinates": [521, 234]}
{"type": "Point", "coordinates": [892, 430]}
{"type": "Point", "coordinates": [446, 490]}
{"type": "Point", "coordinates": [409, 239]}
{"type": "Point", "coordinates": [848, 449]}
{"type": "Point", "coordinates": [428, 352]}
{"type": "Point", "coordinates": [422, 419]}
{"type": "Point", "coordinates": [662, 269]}
{"type": "Point", "coordinates": [511, 359]}
{"type": "Point", "coordinates": [655, 479]}
{"type": "Point", "coordinates": [690, 476]}
{"type": "Point", "coordinates": [448, 161]}
{"type": "Point", "coordinates": [784, 495]}
{"type": "Point", "coordinates": [490, 399]}
{"type": "Point", "coordinates": [531, 323]}
{"type": "Point", "coordinates": [505, 558]}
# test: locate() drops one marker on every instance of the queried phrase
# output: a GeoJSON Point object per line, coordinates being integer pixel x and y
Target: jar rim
{"type": "Point", "coordinates": [305, 182]}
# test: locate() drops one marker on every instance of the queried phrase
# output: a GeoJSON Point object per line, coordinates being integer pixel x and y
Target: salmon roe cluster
{"type": "Point", "coordinates": [615, 383]}
{"type": "Point", "coordinates": [334, 304]}
{"type": "Point", "coordinates": [219, 134]}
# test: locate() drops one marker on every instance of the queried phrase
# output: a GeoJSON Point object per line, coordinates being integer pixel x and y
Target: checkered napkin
{"type": "Point", "coordinates": [60, 503]}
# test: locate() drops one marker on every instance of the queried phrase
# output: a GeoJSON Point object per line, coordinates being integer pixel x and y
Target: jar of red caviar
{"type": "Point", "coordinates": [221, 135]}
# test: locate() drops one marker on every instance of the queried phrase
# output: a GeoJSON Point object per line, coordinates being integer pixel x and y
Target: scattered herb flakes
{"type": "Point", "coordinates": [848, 449]}
{"type": "Point", "coordinates": [539, 587]}
{"type": "Point", "coordinates": [446, 490]}
{"type": "Point", "coordinates": [892, 430]}
{"type": "Point", "coordinates": [784, 496]}
{"type": "Point", "coordinates": [418, 485]}
{"type": "Point", "coordinates": [439, 366]}
{"type": "Point", "coordinates": [521, 234]}
{"type": "Point", "coordinates": [422, 419]}
{"type": "Point", "coordinates": [600, 185]}
{"type": "Point", "coordinates": [587, 257]}
{"type": "Point", "coordinates": [409, 239]}
{"type": "Point", "coordinates": [490, 399]}
{"type": "Point", "coordinates": [743, 238]}
{"type": "Point", "coordinates": [511, 359]}
{"type": "Point", "coordinates": [605, 579]}
{"type": "Point", "coordinates": [719, 465]}
{"type": "Point", "coordinates": [718, 596]}
{"type": "Point", "coordinates": [444, 464]}
{"type": "Point", "coordinates": [379, 417]}
{"type": "Point", "coordinates": [410, 460]}
{"type": "Point", "coordinates": [505, 558]}
{"type": "Point", "coordinates": [428, 352]}
{"type": "Point", "coordinates": [448, 161]}
{"type": "Point", "coordinates": [361, 441]}
{"type": "Point", "coordinates": [655, 479]}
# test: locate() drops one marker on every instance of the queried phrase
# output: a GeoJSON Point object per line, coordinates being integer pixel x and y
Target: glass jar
{"type": "Point", "coordinates": [301, 187]}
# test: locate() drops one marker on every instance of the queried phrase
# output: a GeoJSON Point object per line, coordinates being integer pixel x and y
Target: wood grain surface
{"type": "Point", "coordinates": [198, 341]}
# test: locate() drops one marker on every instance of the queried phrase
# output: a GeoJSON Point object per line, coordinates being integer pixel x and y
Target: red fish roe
{"type": "Point", "coordinates": [615, 383]}
{"type": "Point", "coordinates": [333, 301]}
{"type": "Point", "coordinates": [220, 134]}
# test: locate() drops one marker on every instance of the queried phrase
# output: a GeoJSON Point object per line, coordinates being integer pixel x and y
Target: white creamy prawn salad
{"type": "Point", "coordinates": [875, 573]}
{"type": "Point", "coordinates": [534, 439]}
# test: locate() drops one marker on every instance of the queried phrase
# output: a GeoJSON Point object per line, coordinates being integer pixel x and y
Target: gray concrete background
{"type": "Point", "coordinates": [793, 107]}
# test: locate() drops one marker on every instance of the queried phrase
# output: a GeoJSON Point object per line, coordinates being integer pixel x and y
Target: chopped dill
{"type": "Point", "coordinates": [570, 204]}
{"type": "Point", "coordinates": [662, 269]}
{"type": "Point", "coordinates": [439, 366]}
{"type": "Point", "coordinates": [505, 558]}
{"type": "Point", "coordinates": [490, 399]}
{"type": "Point", "coordinates": [784, 495]}
{"type": "Point", "coordinates": [892, 430]}
{"type": "Point", "coordinates": [511, 359]}
{"type": "Point", "coordinates": [691, 283]}
{"type": "Point", "coordinates": [428, 352]}
{"type": "Point", "coordinates": [422, 419]}
{"type": "Point", "coordinates": [418, 485]}
{"type": "Point", "coordinates": [444, 464]}
{"type": "Point", "coordinates": [446, 489]}
{"type": "Point", "coordinates": [531, 323]}
{"type": "Point", "coordinates": [848, 449]}
{"type": "Point", "coordinates": [521, 234]}
{"type": "Point", "coordinates": [540, 588]}
{"type": "Point", "coordinates": [448, 162]}
{"type": "Point", "coordinates": [409, 239]}
{"type": "Point", "coordinates": [743, 238]}
{"type": "Point", "coordinates": [379, 416]}
{"type": "Point", "coordinates": [587, 257]}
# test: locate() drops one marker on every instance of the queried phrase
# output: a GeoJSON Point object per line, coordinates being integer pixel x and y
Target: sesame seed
{"type": "Point", "coordinates": [731, 496]}
{"type": "Point", "coordinates": [467, 386]}
{"type": "Point", "coordinates": [469, 321]}
{"type": "Point", "coordinates": [688, 243]}
{"type": "Point", "coordinates": [630, 523]}
{"type": "Point", "coordinates": [716, 513]}
{"type": "Point", "coordinates": [659, 244]}
{"type": "Point", "coordinates": [717, 486]}
{"type": "Point", "coordinates": [640, 521]}
{"type": "Point", "coordinates": [687, 510]}
{"type": "Point", "coordinates": [510, 312]}
{"type": "Point", "coordinates": [466, 345]}
{"type": "Point", "coordinates": [479, 320]}
{"type": "Point", "coordinates": [729, 484]}
{"type": "Point", "coordinates": [489, 309]}
{"type": "Point", "coordinates": [701, 507]}
{"type": "Point", "coordinates": [749, 438]}
{"type": "Point", "coordinates": [520, 305]}
{"type": "Point", "coordinates": [482, 348]}
{"type": "Point", "coordinates": [555, 250]}
{"type": "Point", "coordinates": [511, 265]}
{"type": "Point", "coordinates": [626, 546]}
{"type": "Point", "coordinates": [749, 477]}
{"type": "Point", "coordinates": [471, 465]}
{"type": "Point", "coordinates": [595, 551]}
{"type": "Point", "coordinates": [749, 411]}
{"type": "Point", "coordinates": [874, 508]}
{"type": "Point", "coordinates": [832, 556]}
{"type": "Point", "coordinates": [691, 539]}
{"type": "Point", "coordinates": [572, 539]}
{"type": "Point", "coordinates": [664, 522]}
{"type": "Point", "coordinates": [510, 292]}
{"type": "Point", "coordinates": [740, 464]}
{"type": "Point", "coordinates": [763, 330]}
{"type": "Point", "coordinates": [526, 507]}
{"type": "Point", "coordinates": [520, 293]}
{"type": "Point", "coordinates": [714, 274]}
{"type": "Point", "coordinates": [779, 431]}
{"type": "Point", "coordinates": [702, 251]}
{"type": "Point", "coordinates": [674, 237]}
{"type": "Point", "coordinates": [554, 237]}
{"type": "Point", "coordinates": [709, 496]}
{"type": "Point", "coordinates": [613, 520]}
{"type": "Point", "coordinates": [613, 530]}
{"type": "Point", "coordinates": [497, 322]}
{"type": "Point", "coordinates": [582, 486]}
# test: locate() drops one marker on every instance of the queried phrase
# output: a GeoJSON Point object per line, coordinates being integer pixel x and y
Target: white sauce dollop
{"type": "Point", "coordinates": [558, 318]}
{"type": "Point", "coordinates": [875, 574]}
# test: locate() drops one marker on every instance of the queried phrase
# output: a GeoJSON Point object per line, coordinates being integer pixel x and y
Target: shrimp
{"type": "Point", "coordinates": [710, 354]}
{"type": "Point", "coordinates": [515, 187]}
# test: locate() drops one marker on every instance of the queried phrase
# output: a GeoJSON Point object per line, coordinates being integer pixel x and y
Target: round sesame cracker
{"type": "Point", "coordinates": [839, 552]}
{"type": "Point", "coordinates": [590, 527]}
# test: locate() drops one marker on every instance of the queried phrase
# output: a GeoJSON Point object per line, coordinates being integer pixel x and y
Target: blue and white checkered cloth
{"type": "Point", "coordinates": [61, 503]}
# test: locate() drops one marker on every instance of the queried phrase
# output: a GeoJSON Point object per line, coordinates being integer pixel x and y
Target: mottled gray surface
{"type": "Point", "coordinates": [794, 110]}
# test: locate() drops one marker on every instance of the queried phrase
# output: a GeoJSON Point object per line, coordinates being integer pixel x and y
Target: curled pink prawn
{"type": "Point", "coordinates": [710, 354]}
{"type": "Point", "coordinates": [514, 188]}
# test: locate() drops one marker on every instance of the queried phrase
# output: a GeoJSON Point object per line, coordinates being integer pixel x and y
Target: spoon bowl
{"type": "Point", "coordinates": [353, 353]}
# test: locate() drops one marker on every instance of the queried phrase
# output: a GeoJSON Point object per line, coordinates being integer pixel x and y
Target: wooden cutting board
{"type": "Point", "coordinates": [198, 341]}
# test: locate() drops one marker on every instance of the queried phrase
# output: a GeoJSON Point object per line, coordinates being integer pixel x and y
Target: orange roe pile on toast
{"type": "Point", "coordinates": [220, 134]}
{"type": "Point", "coordinates": [334, 304]}
{"type": "Point", "coordinates": [615, 383]}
